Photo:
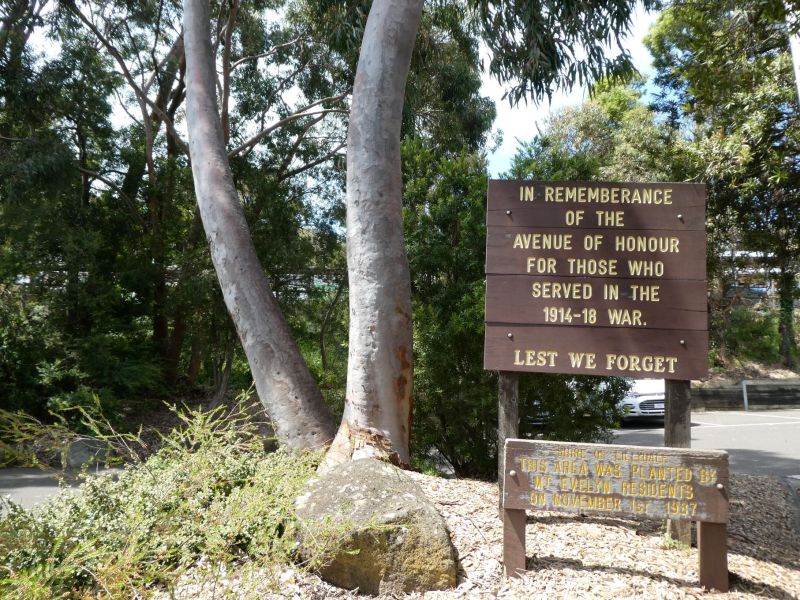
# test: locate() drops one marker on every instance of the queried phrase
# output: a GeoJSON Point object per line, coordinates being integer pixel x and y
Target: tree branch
{"type": "Point", "coordinates": [274, 49]}
{"type": "Point", "coordinates": [141, 98]}
{"type": "Point", "coordinates": [128, 200]}
{"type": "Point", "coordinates": [293, 117]}
{"type": "Point", "coordinates": [290, 154]}
{"type": "Point", "coordinates": [226, 70]}
{"type": "Point", "coordinates": [312, 164]}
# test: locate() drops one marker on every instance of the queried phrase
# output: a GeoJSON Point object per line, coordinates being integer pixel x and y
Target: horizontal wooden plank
{"type": "Point", "coordinates": [640, 303]}
{"type": "Point", "coordinates": [515, 250]}
{"type": "Point", "coordinates": [687, 218]}
{"type": "Point", "coordinates": [612, 480]}
{"type": "Point", "coordinates": [510, 194]}
{"type": "Point", "coordinates": [624, 351]}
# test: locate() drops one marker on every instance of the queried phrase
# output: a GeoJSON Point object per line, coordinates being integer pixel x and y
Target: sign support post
{"type": "Point", "coordinates": [513, 540]}
{"type": "Point", "coordinates": [507, 421]}
{"type": "Point", "coordinates": [678, 434]}
{"type": "Point", "coordinates": [712, 546]}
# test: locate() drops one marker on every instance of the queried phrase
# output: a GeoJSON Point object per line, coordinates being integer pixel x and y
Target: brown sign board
{"type": "Point", "coordinates": [612, 480]}
{"type": "Point", "coordinates": [633, 253]}
{"type": "Point", "coordinates": [598, 268]}
{"type": "Point", "coordinates": [590, 197]}
{"type": "Point", "coordinates": [637, 353]}
{"type": "Point", "coordinates": [603, 302]}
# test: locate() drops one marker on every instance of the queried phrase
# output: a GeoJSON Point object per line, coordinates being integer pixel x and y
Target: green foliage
{"type": "Point", "coordinates": [455, 399]}
{"type": "Point", "coordinates": [572, 409]}
{"type": "Point", "coordinates": [210, 495]}
{"type": "Point", "coordinates": [614, 136]}
{"type": "Point", "coordinates": [533, 43]}
{"type": "Point", "coordinates": [747, 334]}
{"type": "Point", "coordinates": [44, 366]}
{"type": "Point", "coordinates": [454, 411]}
{"type": "Point", "coordinates": [745, 125]}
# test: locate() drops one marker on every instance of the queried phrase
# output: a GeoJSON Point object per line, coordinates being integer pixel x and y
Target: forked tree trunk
{"type": "Point", "coordinates": [284, 384]}
{"type": "Point", "coordinates": [377, 413]}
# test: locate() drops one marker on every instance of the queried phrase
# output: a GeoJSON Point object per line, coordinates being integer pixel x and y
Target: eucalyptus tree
{"type": "Point", "coordinates": [532, 43]}
{"type": "Point", "coordinates": [725, 68]}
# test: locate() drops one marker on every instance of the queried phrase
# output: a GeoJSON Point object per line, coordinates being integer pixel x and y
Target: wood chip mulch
{"type": "Point", "coordinates": [582, 557]}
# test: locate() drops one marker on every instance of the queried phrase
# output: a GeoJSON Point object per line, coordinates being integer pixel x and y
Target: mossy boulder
{"type": "Point", "coordinates": [378, 530]}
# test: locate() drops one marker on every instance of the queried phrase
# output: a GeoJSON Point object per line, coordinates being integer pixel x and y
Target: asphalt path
{"type": "Point", "coordinates": [759, 442]}
{"type": "Point", "coordinates": [30, 487]}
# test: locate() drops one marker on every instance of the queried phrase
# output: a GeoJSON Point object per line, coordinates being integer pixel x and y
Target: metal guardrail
{"type": "Point", "coordinates": [746, 382]}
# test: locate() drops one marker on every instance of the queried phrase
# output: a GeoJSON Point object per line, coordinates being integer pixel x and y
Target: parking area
{"type": "Point", "coordinates": [759, 442]}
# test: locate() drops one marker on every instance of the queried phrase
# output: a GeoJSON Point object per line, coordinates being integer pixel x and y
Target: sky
{"type": "Point", "coordinates": [520, 122]}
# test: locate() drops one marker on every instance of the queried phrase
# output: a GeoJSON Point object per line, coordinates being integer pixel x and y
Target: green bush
{"type": "Point", "coordinates": [211, 495]}
{"type": "Point", "coordinates": [43, 369]}
{"type": "Point", "coordinates": [747, 334]}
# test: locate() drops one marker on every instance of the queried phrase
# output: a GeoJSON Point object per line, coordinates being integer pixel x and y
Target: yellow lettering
{"type": "Point", "coordinates": [561, 291]}
{"type": "Point", "coordinates": [543, 241]}
{"type": "Point", "coordinates": [592, 266]}
{"type": "Point", "coordinates": [535, 358]}
{"type": "Point", "coordinates": [646, 243]}
{"type": "Point", "coordinates": [634, 362]}
{"type": "Point", "coordinates": [542, 265]}
{"type": "Point", "coordinates": [645, 293]}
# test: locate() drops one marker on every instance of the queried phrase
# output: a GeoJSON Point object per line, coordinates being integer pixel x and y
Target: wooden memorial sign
{"type": "Point", "coordinates": [611, 480]}
{"type": "Point", "coordinates": [597, 279]}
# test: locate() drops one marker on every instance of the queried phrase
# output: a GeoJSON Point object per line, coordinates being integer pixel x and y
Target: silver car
{"type": "Point", "coordinates": [644, 399]}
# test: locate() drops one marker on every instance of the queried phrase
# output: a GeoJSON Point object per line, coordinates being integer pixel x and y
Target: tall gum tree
{"type": "Point", "coordinates": [281, 377]}
{"type": "Point", "coordinates": [532, 43]}
{"type": "Point", "coordinates": [377, 413]}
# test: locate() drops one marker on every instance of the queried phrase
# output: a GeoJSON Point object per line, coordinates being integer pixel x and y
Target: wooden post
{"type": "Point", "coordinates": [678, 434]}
{"type": "Point", "coordinates": [507, 420]}
{"type": "Point", "coordinates": [712, 547]}
{"type": "Point", "coordinates": [514, 542]}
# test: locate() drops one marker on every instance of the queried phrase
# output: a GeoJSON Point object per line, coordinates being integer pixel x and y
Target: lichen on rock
{"type": "Point", "coordinates": [373, 529]}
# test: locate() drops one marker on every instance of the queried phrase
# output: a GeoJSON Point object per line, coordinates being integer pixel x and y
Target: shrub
{"type": "Point", "coordinates": [747, 334]}
{"type": "Point", "coordinates": [210, 495]}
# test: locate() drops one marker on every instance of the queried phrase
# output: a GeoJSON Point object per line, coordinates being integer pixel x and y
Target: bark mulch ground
{"type": "Point", "coordinates": [579, 557]}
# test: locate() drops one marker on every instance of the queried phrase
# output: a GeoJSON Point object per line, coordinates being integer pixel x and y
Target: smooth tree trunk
{"type": "Point", "coordinates": [377, 413]}
{"type": "Point", "coordinates": [285, 386]}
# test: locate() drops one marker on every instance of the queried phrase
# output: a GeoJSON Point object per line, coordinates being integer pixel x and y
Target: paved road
{"type": "Point", "coordinates": [29, 487]}
{"type": "Point", "coordinates": [761, 442]}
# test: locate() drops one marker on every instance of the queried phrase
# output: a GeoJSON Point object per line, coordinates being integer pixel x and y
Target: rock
{"type": "Point", "coordinates": [86, 452]}
{"type": "Point", "coordinates": [387, 537]}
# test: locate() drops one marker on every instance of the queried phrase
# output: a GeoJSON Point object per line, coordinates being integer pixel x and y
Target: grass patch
{"type": "Point", "coordinates": [210, 496]}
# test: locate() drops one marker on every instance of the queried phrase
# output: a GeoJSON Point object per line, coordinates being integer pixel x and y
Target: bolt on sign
{"type": "Point", "coordinates": [611, 480]}
{"type": "Point", "coordinates": [597, 278]}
